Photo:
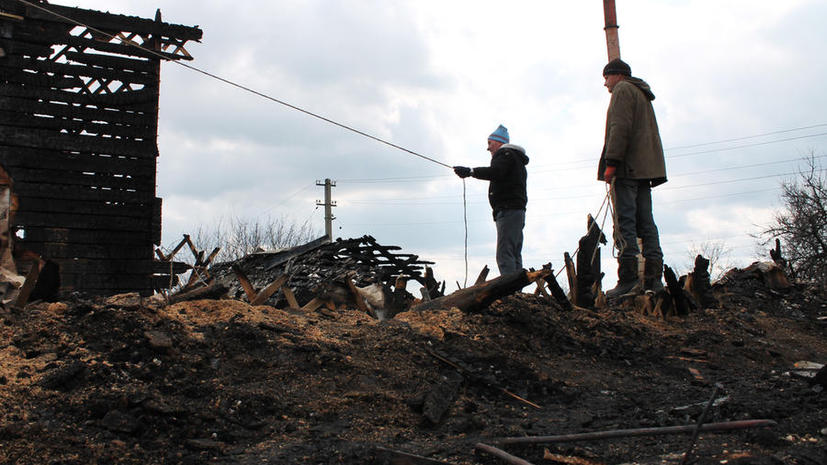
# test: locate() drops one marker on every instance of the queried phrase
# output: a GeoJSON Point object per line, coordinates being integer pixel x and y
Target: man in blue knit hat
{"type": "Point", "coordinates": [506, 194]}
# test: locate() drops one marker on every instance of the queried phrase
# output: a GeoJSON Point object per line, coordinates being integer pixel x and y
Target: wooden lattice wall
{"type": "Point", "coordinates": [78, 136]}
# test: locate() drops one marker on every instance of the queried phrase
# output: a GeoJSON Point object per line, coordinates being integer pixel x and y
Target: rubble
{"type": "Point", "coordinates": [131, 380]}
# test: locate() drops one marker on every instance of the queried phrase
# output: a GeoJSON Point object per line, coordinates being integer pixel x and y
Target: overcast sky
{"type": "Point", "coordinates": [740, 100]}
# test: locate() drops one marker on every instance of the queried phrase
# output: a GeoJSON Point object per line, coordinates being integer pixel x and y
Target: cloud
{"type": "Point", "coordinates": [437, 77]}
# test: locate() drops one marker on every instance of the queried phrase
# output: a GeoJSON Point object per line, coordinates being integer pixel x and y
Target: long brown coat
{"type": "Point", "coordinates": [632, 140]}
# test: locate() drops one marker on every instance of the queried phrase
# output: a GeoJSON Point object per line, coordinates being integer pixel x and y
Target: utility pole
{"type": "Point", "coordinates": [328, 206]}
{"type": "Point", "coordinates": [612, 40]}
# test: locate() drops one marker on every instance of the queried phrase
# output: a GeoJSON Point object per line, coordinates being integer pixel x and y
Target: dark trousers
{"type": "Point", "coordinates": [633, 207]}
{"type": "Point", "coordinates": [510, 225]}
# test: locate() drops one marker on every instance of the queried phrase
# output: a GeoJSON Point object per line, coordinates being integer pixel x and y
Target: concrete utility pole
{"type": "Point", "coordinates": [612, 40]}
{"type": "Point", "coordinates": [328, 206]}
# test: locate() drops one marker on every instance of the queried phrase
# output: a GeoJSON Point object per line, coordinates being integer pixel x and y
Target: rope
{"type": "Point", "coordinates": [234, 84]}
{"type": "Point", "coordinates": [465, 220]}
{"type": "Point", "coordinates": [273, 99]}
{"type": "Point", "coordinates": [597, 245]}
{"type": "Point", "coordinates": [619, 243]}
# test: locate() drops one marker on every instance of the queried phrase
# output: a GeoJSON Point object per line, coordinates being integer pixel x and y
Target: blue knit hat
{"type": "Point", "coordinates": [500, 135]}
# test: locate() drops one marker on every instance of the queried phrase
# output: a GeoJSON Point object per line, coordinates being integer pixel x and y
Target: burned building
{"type": "Point", "coordinates": [78, 140]}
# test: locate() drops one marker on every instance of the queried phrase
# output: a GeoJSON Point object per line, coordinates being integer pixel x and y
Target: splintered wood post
{"type": "Point", "coordinates": [501, 454]}
{"type": "Point", "coordinates": [431, 284]}
{"type": "Point", "coordinates": [776, 256]}
{"type": "Point", "coordinates": [541, 288]}
{"type": "Point", "coordinates": [360, 301]}
{"type": "Point", "coordinates": [28, 285]}
{"type": "Point", "coordinates": [245, 282]}
{"type": "Point", "coordinates": [211, 256]}
{"type": "Point", "coordinates": [675, 290]}
{"type": "Point", "coordinates": [697, 283]}
{"type": "Point", "coordinates": [177, 248]}
{"type": "Point", "coordinates": [198, 254]}
{"type": "Point", "coordinates": [558, 293]}
{"type": "Point", "coordinates": [401, 283]}
{"type": "Point", "coordinates": [572, 276]}
{"type": "Point", "coordinates": [269, 290]}
{"type": "Point", "coordinates": [477, 297]}
{"type": "Point", "coordinates": [290, 297]}
{"type": "Point", "coordinates": [588, 264]}
{"type": "Point", "coordinates": [482, 276]}
{"type": "Point", "coordinates": [313, 304]}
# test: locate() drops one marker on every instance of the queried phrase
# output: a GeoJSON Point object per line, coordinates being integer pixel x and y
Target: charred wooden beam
{"type": "Point", "coordinates": [676, 291]}
{"type": "Point", "coordinates": [28, 286]}
{"type": "Point", "coordinates": [588, 264]}
{"type": "Point", "coordinates": [698, 284]}
{"type": "Point", "coordinates": [212, 291]}
{"type": "Point", "coordinates": [269, 290]}
{"type": "Point", "coordinates": [557, 291]}
{"type": "Point", "coordinates": [245, 283]}
{"type": "Point", "coordinates": [385, 456]}
{"type": "Point", "coordinates": [482, 276]}
{"type": "Point", "coordinates": [477, 297]}
{"type": "Point", "coordinates": [501, 454]}
{"type": "Point", "coordinates": [139, 101]}
{"type": "Point", "coordinates": [109, 21]}
{"type": "Point", "coordinates": [571, 274]}
{"type": "Point", "coordinates": [290, 297]}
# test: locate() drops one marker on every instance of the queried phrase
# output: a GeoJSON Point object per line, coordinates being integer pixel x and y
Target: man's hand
{"type": "Point", "coordinates": [462, 171]}
{"type": "Point", "coordinates": [609, 174]}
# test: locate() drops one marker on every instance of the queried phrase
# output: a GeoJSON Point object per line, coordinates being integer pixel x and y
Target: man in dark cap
{"type": "Point", "coordinates": [507, 196]}
{"type": "Point", "coordinates": [632, 162]}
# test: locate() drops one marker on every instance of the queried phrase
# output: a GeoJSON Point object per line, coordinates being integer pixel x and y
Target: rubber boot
{"type": "Point", "coordinates": [652, 274]}
{"type": "Point", "coordinates": [626, 277]}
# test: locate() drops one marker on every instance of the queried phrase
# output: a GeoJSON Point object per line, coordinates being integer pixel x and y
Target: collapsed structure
{"type": "Point", "coordinates": [78, 150]}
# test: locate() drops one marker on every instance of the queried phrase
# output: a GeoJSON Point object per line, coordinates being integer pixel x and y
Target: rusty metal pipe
{"type": "Point", "coordinates": [611, 27]}
{"type": "Point", "coordinates": [625, 433]}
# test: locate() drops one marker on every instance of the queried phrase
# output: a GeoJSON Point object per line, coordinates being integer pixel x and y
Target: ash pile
{"type": "Point", "coordinates": [325, 272]}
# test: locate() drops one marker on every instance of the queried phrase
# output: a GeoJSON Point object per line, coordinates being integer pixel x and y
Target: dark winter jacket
{"type": "Point", "coordinates": [507, 176]}
{"type": "Point", "coordinates": [632, 142]}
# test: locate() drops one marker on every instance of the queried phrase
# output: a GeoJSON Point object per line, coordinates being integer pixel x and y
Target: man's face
{"type": "Point", "coordinates": [612, 80]}
{"type": "Point", "coordinates": [494, 145]}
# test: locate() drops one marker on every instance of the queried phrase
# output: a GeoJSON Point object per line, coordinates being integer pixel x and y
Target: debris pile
{"type": "Point", "coordinates": [129, 380]}
{"type": "Point", "coordinates": [326, 272]}
{"type": "Point", "coordinates": [484, 374]}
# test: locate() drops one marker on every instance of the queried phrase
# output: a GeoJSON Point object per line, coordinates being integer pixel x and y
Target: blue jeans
{"type": "Point", "coordinates": [510, 225]}
{"type": "Point", "coordinates": [633, 207]}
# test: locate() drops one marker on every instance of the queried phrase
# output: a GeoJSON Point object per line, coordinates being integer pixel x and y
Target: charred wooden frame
{"type": "Point", "coordinates": [78, 137]}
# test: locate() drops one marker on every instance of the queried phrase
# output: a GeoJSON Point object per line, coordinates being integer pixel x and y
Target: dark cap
{"type": "Point", "coordinates": [617, 66]}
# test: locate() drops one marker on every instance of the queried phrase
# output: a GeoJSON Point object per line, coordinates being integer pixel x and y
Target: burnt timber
{"type": "Point", "coordinates": [78, 137]}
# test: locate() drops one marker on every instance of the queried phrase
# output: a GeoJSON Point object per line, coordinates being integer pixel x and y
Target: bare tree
{"type": "Point", "coordinates": [802, 223]}
{"type": "Point", "coordinates": [717, 252]}
{"type": "Point", "coordinates": [238, 237]}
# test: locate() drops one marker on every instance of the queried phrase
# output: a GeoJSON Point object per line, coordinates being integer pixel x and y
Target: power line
{"type": "Point", "coordinates": [576, 164]}
{"type": "Point", "coordinates": [745, 166]}
{"type": "Point", "coordinates": [735, 139]}
{"type": "Point", "coordinates": [738, 180]}
{"type": "Point", "coordinates": [418, 201]}
{"type": "Point", "coordinates": [239, 86]}
{"type": "Point", "coordinates": [725, 149]}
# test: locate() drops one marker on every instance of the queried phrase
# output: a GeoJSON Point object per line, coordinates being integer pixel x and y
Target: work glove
{"type": "Point", "coordinates": [609, 173]}
{"type": "Point", "coordinates": [462, 171]}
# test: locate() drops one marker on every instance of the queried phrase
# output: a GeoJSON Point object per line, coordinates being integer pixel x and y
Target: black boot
{"type": "Point", "coordinates": [626, 277]}
{"type": "Point", "coordinates": [652, 274]}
